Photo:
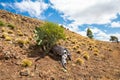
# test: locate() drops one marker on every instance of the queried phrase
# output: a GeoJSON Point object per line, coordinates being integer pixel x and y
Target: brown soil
{"type": "Point", "coordinates": [102, 61]}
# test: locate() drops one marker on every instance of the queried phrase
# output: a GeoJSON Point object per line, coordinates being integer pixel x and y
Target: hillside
{"type": "Point", "coordinates": [91, 59]}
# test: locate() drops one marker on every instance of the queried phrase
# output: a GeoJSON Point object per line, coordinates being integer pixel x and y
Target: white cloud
{"type": "Point", "coordinates": [115, 24]}
{"type": "Point", "coordinates": [33, 8]}
{"type": "Point", "coordinates": [3, 4]}
{"type": "Point", "coordinates": [102, 35]}
{"type": "Point", "coordinates": [88, 11]}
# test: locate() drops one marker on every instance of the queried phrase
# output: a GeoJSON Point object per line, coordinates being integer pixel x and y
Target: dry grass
{"type": "Point", "coordinates": [79, 51]}
{"type": "Point", "coordinates": [86, 55]}
{"type": "Point", "coordinates": [26, 63]}
{"type": "Point", "coordinates": [3, 29]}
{"type": "Point", "coordinates": [22, 41]}
{"type": "Point", "coordinates": [19, 32]}
{"type": "Point", "coordinates": [79, 61]}
{"type": "Point", "coordinates": [8, 38]}
{"type": "Point", "coordinates": [10, 31]}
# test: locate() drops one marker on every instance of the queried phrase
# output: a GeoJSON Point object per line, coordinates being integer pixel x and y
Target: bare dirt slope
{"type": "Point", "coordinates": [91, 59]}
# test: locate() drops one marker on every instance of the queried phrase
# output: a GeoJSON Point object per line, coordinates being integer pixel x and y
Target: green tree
{"type": "Point", "coordinates": [48, 34]}
{"type": "Point", "coordinates": [89, 33]}
{"type": "Point", "coordinates": [114, 39]}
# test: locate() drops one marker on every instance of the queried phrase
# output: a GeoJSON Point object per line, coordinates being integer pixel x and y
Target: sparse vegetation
{"type": "Point", "coordinates": [103, 62]}
{"type": "Point", "coordinates": [48, 34]}
{"type": "Point", "coordinates": [26, 63]}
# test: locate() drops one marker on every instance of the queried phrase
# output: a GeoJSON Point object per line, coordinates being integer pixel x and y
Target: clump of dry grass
{"type": "Point", "coordinates": [3, 29]}
{"type": "Point", "coordinates": [26, 63]}
{"type": "Point", "coordinates": [22, 41]}
{"type": "Point", "coordinates": [86, 55]}
{"type": "Point", "coordinates": [19, 32]}
{"type": "Point", "coordinates": [73, 41]}
{"type": "Point", "coordinates": [6, 36]}
{"type": "Point", "coordinates": [109, 49]}
{"type": "Point", "coordinates": [10, 32]}
{"type": "Point", "coordinates": [79, 61]}
{"type": "Point", "coordinates": [79, 51]}
{"type": "Point", "coordinates": [96, 51]}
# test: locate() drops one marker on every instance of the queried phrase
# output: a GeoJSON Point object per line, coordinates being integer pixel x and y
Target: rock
{"type": "Point", "coordinates": [25, 72]}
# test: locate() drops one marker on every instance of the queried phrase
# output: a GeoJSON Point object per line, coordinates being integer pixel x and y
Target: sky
{"type": "Point", "coordinates": [101, 16]}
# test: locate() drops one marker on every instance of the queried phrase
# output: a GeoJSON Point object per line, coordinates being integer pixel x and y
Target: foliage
{"type": "Point", "coordinates": [89, 33]}
{"type": "Point", "coordinates": [114, 38]}
{"type": "Point", "coordinates": [48, 34]}
{"type": "Point", "coordinates": [1, 23]}
{"type": "Point", "coordinates": [26, 63]}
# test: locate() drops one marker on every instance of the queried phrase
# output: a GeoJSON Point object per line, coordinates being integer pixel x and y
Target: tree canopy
{"type": "Point", "coordinates": [89, 33]}
{"type": "Point", "coordinates": [114, 39]}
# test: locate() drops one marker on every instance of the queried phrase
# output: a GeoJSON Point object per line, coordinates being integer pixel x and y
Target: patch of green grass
{"type": "Point", "coordinates": [1, 23]}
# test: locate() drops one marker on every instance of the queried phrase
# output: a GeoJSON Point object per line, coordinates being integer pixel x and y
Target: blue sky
{"type": "Point", "coordinates": [101, 16]}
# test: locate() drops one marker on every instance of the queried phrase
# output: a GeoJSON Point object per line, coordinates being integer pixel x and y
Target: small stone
{"type": "Point", "coordinates": [25, 72]}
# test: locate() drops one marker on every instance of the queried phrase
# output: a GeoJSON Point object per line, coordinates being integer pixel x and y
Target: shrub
{"type": "Point", "coordinates": [1, 23]}
{"type": "Point", "coordinates": [48, 34]}
{"type": "Point", "coordinates": [89, 33]}
{"type": "Point", "coordinates": [26, 63]}
{"type": "Point", "coordinates": [114, 38]}
{"type": "Point", "coordinates": [79, 61]}
{"type": "Point", "coordinates": [11, 26]}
